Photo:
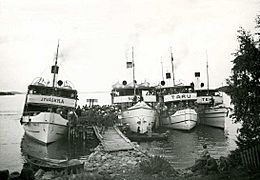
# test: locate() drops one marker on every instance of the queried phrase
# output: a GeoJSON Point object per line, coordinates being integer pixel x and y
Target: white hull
{"type": "Point", "coordinates": [214, 117]}
{"type": "Point", "coordinates": [140, 115]}
{"type": "Point", "coordinates": [45, 127]}
{"type": "Point", "coordinates": [185, 119]}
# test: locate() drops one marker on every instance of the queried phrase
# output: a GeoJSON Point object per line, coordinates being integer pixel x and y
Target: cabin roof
{"type": "Point", "coordinates": [50, 88]}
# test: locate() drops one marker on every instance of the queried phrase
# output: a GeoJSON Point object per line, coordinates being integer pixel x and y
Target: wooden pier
{"type": "Point", "coordinates": [112, 139]}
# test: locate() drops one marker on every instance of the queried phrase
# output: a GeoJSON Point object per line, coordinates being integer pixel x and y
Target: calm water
{"type": "Point", "coordinates": [181, 149]}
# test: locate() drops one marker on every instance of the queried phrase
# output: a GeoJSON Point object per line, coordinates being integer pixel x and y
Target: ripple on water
{"type": "Point", "coordinates": [183, 148]}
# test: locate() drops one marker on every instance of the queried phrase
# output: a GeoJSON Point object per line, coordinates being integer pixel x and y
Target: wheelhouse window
{"type": "Point", "coordinates": [35, 109]}
{"type": "Point", "coordinates": [41, 90]}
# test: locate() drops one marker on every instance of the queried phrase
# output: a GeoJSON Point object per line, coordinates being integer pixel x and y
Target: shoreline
{"type": "Point", "coordinates": [126, 165]}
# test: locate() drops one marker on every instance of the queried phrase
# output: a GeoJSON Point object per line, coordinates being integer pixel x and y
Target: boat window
{"type": "Point", "coordinates": [66, 93]}
{"type": "Point", "coordinates": [34, 109]}
{"type": "Point", "coordinates": [31, 109]}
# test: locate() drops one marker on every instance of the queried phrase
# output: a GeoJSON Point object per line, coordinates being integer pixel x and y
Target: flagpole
{"type": "Point", "coordinates": [207, 66]}
{"type": "Point", "coordinates": [162, 68]}
{"type": "Point", "coordinates": [133, 64]}
{"type": "Point", "coordinates": [55, 66]}
{"type": "Point", "coordinates": [173, 78]}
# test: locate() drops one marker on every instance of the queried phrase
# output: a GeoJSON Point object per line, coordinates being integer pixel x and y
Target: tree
{"type": "Point", "coordinates": [244, 87]}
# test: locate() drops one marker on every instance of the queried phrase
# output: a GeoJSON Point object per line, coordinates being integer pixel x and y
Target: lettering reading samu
{"type": "Point", "coordinates": [61, 101]}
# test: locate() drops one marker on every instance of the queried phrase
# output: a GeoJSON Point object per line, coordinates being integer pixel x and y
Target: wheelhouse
{"type": "Point", "coordinates": [49, 99]}
{"type": "Point", "coordinates": [178, 97]}
{"type": "Point", "coordinates": [125, 97]}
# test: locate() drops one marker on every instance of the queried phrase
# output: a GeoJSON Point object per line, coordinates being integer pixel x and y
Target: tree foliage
{"type": "Point", "coordinates": [244, 86]}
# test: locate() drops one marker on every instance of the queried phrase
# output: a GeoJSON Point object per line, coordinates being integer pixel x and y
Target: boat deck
{"type": "Point", "coordinates": [113, 139]}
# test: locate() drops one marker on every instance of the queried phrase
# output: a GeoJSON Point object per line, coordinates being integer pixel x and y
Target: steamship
{"type": "Point", "coordinates": [211, 109]}
{"type": "Point", "coordinates": [48, 108]}
{"type": "Point", "coordinates": [136, 102]}
{"type": "Point", "coordinates": [177, 109]}
{"type": "Point", "coordinates": [136, 105]}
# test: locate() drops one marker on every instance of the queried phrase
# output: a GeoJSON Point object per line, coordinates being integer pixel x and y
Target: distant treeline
{"type": "Point", "coordinates": [9, 93]}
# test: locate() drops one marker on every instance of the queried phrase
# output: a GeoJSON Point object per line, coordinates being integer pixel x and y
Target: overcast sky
{"type": "Point", "coordinates": [96, 37]}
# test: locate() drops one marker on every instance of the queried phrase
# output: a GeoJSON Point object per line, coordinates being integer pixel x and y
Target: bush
{"type": "Point", "coordinates": [157, 165]}
{"type": "Point", "coordinates": [234, 158]}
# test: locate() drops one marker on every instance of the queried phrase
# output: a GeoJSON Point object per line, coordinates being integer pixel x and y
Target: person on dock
{"type": "Point", "coordinates": [202, 161]}
{"type": "Point", "coordinates": [138, 130]}
{"type": "Point", "coordinates": [78, 111]}
{"type": "Point", "coordinates": [205, 152]}
{"type": "Point", "coordinates": [211, 166]}
{"type": "Point", "coordinates": [102, 131]}
{"type": "Point", "coordinates": [149, 130]}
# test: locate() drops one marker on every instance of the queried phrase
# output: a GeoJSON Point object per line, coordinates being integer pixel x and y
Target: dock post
{"type": "Point", "coordinates": [84, 136]}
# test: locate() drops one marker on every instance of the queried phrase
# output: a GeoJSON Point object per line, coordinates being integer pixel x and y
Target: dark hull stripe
{"type": "Point", "coordinates": [215, 112]}
{"type": "Point", "coordinates": [47, 123]}
{"type": "Point", "coordinates": [206, 117]}
{"type": "Point", "coordinates": [182, 122]}
{"type": "Point", "coordinates": [140, 108]}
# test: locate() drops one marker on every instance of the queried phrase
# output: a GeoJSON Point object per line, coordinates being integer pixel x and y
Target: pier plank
{"type": "Point", "coordinates": [113, 140]}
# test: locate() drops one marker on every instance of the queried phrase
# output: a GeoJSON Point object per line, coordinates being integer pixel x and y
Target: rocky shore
{"type": "Point", "coordinates": [122, 165]}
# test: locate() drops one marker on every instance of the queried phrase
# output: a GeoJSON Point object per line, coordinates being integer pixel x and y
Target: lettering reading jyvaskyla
{"type": "Point", "coordinates": [50, 99]}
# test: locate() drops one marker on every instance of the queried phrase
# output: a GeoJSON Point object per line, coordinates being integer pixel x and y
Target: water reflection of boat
{"type": "Point", "coordinates": [50, 164]}
{"type": "Point", "coordinates": [53, 156]}
{"type": "Point", "coordinates": [56, 150]}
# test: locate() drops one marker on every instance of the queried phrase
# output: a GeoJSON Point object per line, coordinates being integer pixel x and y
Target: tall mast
{"type": "Point", "coordinates": [162, 69]}
{"type": "Point", "coordinates": [133, 70]}
{"type": "Point", "coordinates": [55, 68]}
{"type": "Point", "coordinates": [207, 67]}
{"type": "Point", "coordinates": [173, 78]}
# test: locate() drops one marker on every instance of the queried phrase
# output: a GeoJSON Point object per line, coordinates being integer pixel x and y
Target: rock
{"type": "Point", "coordinates": [39, 174]}
{"type": "Point", "coordinates": [98, 157]}
{"type": "Point", "coordinates": [73, 162]}
{"type": "Point", "coordinates": [14, 176]}
{"type": "Point", "coordinates": [155, 176]}
{"type": "Point", "coordinates": [4, 174]}
{"type": "Point", "coordinates": [132, 162]}
{"type": "Point", "coordinates": [91, 169]}
{"type": "Point", "coordinates": [103, 158]}
{"type": "Point", "coordinates": [48, 175]}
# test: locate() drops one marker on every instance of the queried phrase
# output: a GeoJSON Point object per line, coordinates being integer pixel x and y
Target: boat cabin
{"type": "Point", "coordinates": [41, 98]}
{"type": "Point", "coordinates": [177, 98]}
{"type": "Point", "coordinates": [126, 96]}
{"type": "Point", "coordinates": [209, 97]}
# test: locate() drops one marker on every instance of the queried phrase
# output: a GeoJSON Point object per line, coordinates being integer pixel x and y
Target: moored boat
{"type": "Point", "coordinates": [137, 111]}
{"type": "Point", "coordinates": [211, 109]}
{"type": "Point", "coordinates": [177, 104]}
{"type": "Point", "coordinates": [48, 109]}
{"type": "Point", "coordinates": [136, 102]}
{"type": "Point", "coordinates": [179, 111]}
